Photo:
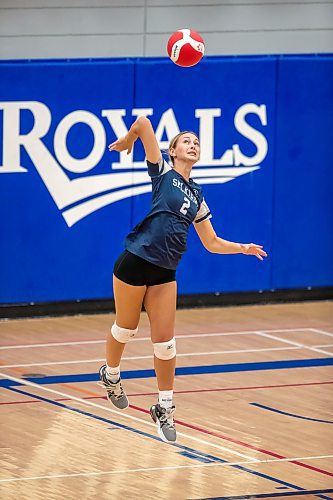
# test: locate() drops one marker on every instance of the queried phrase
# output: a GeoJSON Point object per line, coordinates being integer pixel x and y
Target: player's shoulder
{"type": "Point", "coordinates": [159, 168]}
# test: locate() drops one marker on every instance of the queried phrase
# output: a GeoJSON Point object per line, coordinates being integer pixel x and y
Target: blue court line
{"type": "Point", "coordinates": [291, 414]}
{"type": "Point", "coordinates": [190, 451]}
{"type": "Point", "coordinates": [273, 495]}
{"type": "Point", "coordinates": [185, 370]}
{"type": "Point", "coordinates": [195, 457]}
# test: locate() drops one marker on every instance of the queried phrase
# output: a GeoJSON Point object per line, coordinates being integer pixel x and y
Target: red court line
{"type": "Point", "coordinates": [185, 392]}
{"type": "Point", "coordinates": [241, 443]}
{"type": "Point", "coordinates": [237, 388]}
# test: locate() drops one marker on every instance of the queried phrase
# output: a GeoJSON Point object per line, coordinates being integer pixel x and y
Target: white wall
{"type": "Point", "coordinates": [31, 29]}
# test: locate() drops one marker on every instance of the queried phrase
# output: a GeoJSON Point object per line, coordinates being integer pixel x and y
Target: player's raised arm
{"type": "Point", "coordinates": [215, 244]}
{"type": "Point", "coordinates": [143, 130]}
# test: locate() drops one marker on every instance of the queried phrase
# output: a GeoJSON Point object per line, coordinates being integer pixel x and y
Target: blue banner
{"type": "Point", "coordinates": [303, 209]}
{"type": "Point", "coordinates": [67, 203]}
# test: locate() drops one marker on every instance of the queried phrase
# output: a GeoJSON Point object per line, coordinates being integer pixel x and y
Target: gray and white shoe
{"type": "Point", "coordinates": [114, 391]}
{"type": "Point", "coordinates": [163, 417]}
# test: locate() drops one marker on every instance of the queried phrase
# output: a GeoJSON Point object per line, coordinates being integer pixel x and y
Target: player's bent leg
{"type": "Point", "coordinates": [128, 301]}
{"type": "Point", "coordinates": [110, 375]}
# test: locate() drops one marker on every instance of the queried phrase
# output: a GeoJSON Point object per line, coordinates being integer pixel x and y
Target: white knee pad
{"type": "Point", "coordinates": [165, 350]}
{"type": "Point", "coordinates": [123, 335]}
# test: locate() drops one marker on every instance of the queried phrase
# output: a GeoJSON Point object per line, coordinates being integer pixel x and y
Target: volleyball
{"type": "Point", "coordinates": [185, 47]}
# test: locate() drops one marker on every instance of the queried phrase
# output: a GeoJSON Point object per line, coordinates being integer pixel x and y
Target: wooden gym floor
{"type": "Point", "coordinates": [254, 408]}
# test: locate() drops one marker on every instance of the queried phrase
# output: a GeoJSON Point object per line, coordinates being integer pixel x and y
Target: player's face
{"type": "Point", "coordinates": [187, 148]}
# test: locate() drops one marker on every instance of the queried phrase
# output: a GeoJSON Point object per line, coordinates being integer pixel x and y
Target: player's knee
{"type": "Point", "coordinates": [165, 350]}
{"type": "Point", "coordinates": [122, 335]}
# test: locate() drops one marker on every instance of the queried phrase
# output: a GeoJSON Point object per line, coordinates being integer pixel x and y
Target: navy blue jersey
{"type": "Point", "coordinates": [162, 235]}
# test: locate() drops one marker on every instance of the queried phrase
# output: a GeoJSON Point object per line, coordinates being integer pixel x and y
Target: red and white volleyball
{"type": "Point", "coordinates": [185, 47]}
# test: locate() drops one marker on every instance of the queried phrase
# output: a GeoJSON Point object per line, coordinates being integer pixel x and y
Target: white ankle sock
{"type": "Point", "coordinates": [165, 398]}
{"type": "Point", "coordinates": [113, 372]}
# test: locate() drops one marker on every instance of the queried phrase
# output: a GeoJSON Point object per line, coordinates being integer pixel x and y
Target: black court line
{"type": "Point", "coordinates": [270, 495]}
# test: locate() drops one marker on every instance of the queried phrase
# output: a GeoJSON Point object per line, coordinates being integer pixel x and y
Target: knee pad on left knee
{"type": "Point", "coordinates": [123, 335]}
{"type": "Point", "coordinates": [165, 350]}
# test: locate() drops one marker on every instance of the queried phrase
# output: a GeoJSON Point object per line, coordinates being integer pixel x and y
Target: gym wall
{"type": "Point", "coordinates": [31, 29]}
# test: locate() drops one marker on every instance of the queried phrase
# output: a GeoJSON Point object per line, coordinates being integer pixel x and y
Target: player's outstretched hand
{"type": "Point", "coordinates": [122, 144]}
{"type": "Point", "coordinates": [253, 249]}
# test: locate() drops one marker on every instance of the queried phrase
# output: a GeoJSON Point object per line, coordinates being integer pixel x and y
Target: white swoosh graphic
{"type": "Point", "coordinates": [77, 213]}
{"type": "Point", "coordinates": [202, 175]}
{"type": "Point", "coordinates": [65, 191]}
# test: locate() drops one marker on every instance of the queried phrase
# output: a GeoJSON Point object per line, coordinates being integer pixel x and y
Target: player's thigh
{"type": "Point", "coordinates": [128, 302]}
{"type": "Point", "coordinates": [160, 304]}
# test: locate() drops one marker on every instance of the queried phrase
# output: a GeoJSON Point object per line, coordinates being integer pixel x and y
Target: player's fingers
{"type": "Point", "coordinates": [262, 252]}
{"type": "Point", "coordinates": [258, 248]}
{"type": "Point", "coordinates": [259, 256]}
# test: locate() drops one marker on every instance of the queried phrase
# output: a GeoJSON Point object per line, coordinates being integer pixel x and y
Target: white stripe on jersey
{"type": "Point", "coordinates": [164, 167]}
{"type": "Point", "coordinates": [203, 212]}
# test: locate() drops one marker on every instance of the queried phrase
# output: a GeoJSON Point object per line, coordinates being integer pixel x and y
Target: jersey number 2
{"type": "Point", "coordinates": [185, 206]}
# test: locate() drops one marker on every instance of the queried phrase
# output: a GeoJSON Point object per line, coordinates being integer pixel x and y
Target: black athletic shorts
{"type": "Point", "coordinates": [136, 271]}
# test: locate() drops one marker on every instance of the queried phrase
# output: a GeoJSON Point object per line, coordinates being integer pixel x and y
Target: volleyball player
{"type": "Point", "coordinates": [145, 273]}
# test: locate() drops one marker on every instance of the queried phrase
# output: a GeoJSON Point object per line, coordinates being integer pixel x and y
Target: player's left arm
{"type": "Point", "coordinates": [215, 244]}
{"type": "Point", "coordinates": [143, 129]}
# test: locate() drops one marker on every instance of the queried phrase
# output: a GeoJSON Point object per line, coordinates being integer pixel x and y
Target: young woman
{"type": "Point", "coordinates": [145, 273]}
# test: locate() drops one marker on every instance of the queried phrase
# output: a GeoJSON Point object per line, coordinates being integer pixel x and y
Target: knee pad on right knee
{"type": "Point", "coordinates": [122, 335]}
{"type": "Point", "coordinates": [165, 350]}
